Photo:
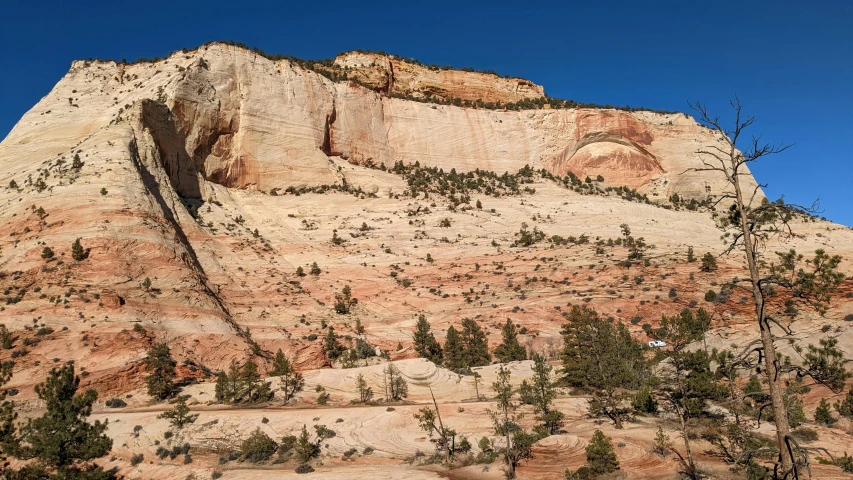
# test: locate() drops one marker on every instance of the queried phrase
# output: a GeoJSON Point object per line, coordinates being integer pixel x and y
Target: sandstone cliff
{"type": "Point", "coordinates": [248, 122]}
{"type": "Point", "coordinates": [165, 171]}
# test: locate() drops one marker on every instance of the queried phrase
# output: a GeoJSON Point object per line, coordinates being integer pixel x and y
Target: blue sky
{"type": "Point", "coordinates": [791, 63]}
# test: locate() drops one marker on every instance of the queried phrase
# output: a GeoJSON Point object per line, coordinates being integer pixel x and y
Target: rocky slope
{"type": "Point", "coordinates": [180, 178]}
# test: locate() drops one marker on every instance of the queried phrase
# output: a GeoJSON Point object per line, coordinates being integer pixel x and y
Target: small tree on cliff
{"type": "Point", "coordinates": [600, 459]}
{"type": "Point", "coordinates": [332, 346]}
{"type": "Point", "coordinates": [750, 221]}
{"type": "Point", "coordinates": [79, 253]}
{"type": "Point", "coordinates": [161, 372]}
{"type": "Point", "coordinates": [344, 301]}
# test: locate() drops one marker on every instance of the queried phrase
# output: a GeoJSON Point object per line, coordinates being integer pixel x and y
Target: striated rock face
{"type": "Point", "coordinates": [390, 74]}
{"type": "Point", "coordinates": [240, 120]}
{"type": "Point", "coordinates": [177, 166]}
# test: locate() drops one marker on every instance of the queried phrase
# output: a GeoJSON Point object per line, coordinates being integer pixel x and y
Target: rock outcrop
{"type": "Point", "coordinates": [390, 74]}
{"type": "Point", "coordinates": [248, 122]}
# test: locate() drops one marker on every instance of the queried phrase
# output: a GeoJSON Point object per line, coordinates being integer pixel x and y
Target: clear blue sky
{"type": "Point", "coordinates": [790, 62]}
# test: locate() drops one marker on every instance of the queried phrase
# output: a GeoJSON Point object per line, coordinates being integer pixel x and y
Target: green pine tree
{"type": "Point", "coordinates": [603, 358]}
{"type": "Point", "coordinates": [600, 456]}
{"type": "Point", "coordinates": [689, 383]}
{"type": "Point", "coordinates": [396, 387]}
{"type": "Point", "coordinates": [709, 262]}
{"type": "Point", "coordinates": [228, 383]}
{"type": "Point", "coordinates": [251, 388]}
{"type": "Point", "coordinates": [332, 346]}
{"type": "Point", "coordinates": [510, 350]}
{"type": "Point", "coordinates": [475, 345]}
{"type": "Point", "coordinates": [5, 337]}
{"type": "Point", "coordinates": [161, 372]}
{"type": "Point", "coordinates": [305, 449]}
{"type": "Point", "coordinates": [425, 343]}
{"type": "Point", "coordinates": [518, 442]}
{"type": "Point", "coordinates": [258, 447]}
{"type": "Point", "coordinates": [540, 392]}
{"type": "Point", "coordinates": [823, 414]}
{"type": "Point", "coordinates": [61, 439]}
{"type": "Point", "coordinates": [844, 407]}
{"type": "Point", "coordinates": [78, 253]}
{"type": "Point", "coordinates": [180, 415]}
{"type": "Point", "coordinates": [291, 380]}
{"type": "Point", "coordinates": [279, 364]}
{"type": "Point", "coordinates": [454, 351]}
{"type": "Point", "coordinates": [222, 391]}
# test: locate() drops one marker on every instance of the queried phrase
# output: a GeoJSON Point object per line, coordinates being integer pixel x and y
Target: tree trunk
{"type": "Point", "coordinates": [777, 399]}
{"type": "Point", "coordinates": [690, 465]}
{"type": "Point", "coordinates": [617, 421]}
{"type": "Point", "coordinates": [509, 457]}
{"type": "Point", "coordinates": [477, 385]}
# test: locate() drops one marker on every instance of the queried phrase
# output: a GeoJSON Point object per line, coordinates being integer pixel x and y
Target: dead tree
{"type": "Point", "coordinates": [751, 220]}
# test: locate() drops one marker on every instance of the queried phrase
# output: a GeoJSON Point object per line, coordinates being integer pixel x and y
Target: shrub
{"type": "Point", "coordinates": [709, 262]}
{"type": "Point", "coordinates": [710, 296]}
{"type": "Point", "coordinates": [304, 468]}
{"type": "Point", "coordinates": [5, 337]}
{"type": "Point", "coordinates": [78, 253]}
{"type": "Point", "coordinates": [44, 331]}
{"type": "Point", "coordinates": [344, 301]}
{"type": "Point", "coordinates": [258, 447]}
{"type": "Point", "coordinates": [136, 459]}
{"type": "Point", "coordinates": [115, 403]}
{"type": "Point", "coordinates": [644, 402]}
{"type": "Point", "coordinates": [805, 434]}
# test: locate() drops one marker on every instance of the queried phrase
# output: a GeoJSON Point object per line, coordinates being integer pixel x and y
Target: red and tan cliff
{"type": "Point", "coordinates": [244, 121]}
{"type": "Point", "coordinates": [178, 161]}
